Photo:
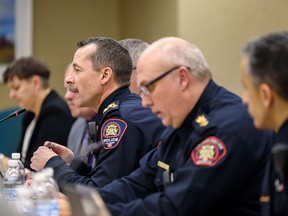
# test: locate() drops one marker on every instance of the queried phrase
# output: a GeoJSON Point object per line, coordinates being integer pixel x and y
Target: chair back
{"type": "Point", "coordinates": [10, 131]}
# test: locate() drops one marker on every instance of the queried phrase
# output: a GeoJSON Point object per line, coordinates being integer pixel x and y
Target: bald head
{"type": "Point", "coordinates": [176, 51]}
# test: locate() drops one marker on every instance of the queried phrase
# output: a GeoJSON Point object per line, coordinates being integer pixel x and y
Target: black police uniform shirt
{"type": "Point", "coordinates": [127, 130]}
{"type": "Point", "coordinates": [212, 165]}
{"type": "Point", "coordinates": [274, 194]}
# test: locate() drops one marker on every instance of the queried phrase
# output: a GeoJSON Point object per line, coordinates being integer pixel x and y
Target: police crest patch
{"type": "Point", "coordinates": [209, 152]}
{"type": "Point", "coordinates": [112, 131]}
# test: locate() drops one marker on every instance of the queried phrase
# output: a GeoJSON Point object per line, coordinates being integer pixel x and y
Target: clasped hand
{"type": "Point", "coordinates": [49, 150]}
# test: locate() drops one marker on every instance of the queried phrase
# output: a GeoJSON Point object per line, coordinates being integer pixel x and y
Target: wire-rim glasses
{"type": "Point", "coordinates": [145, 88]}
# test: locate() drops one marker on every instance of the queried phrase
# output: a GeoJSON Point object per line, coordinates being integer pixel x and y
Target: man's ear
{"type": "Point", "coordinates": [266, 95]}
{"type": "Point", "coordinates": [183, 78]}
{"type": "Point", "coordinates": [106, 74]}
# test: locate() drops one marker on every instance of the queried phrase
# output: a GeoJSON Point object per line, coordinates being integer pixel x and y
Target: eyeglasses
{"type": "Point", "coordinates": [146, 88]}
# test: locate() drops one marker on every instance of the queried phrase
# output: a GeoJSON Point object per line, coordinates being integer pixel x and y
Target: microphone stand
{"type": "Point", "coordinates": [15, 113]}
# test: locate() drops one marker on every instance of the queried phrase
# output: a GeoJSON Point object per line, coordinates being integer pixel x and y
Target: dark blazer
{"type": "Point", "coordinates": [53, 124]}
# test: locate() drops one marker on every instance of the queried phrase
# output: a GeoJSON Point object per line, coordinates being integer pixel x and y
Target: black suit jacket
{"type": "Point", "coordinates": [53, 124]}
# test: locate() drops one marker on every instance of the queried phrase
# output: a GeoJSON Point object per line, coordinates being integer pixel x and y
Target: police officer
{"type": "Point", "coordinates": [264, 71]}
{"type": "Point", "coordinates": [100, 80]}
{"type": "Point", "coordinates": [214, 159]}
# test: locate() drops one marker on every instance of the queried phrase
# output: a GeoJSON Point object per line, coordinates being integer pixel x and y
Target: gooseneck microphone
{"type": "Point", "coordinates": [15, 113]}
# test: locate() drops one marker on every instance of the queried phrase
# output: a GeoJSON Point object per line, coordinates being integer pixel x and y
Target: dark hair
{"type": "Point", "coordinates": [25, 68]}
{"type": "Point", "coordinates": [268, 61]}
{"type": "Point", "coordinates": [109, 53]}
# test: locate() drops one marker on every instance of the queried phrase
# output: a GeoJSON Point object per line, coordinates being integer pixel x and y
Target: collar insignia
{"type": "Point", "coordinates": [202, 121]}
{"type": "Point", "coordinates": [110, 106]}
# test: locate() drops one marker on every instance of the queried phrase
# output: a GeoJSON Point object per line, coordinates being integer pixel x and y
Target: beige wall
{"type": "Point", "coordinates": [218, 27]}
{"type": "Point", "coordinates": [58, 25]}
{"type": "Point", "coordinates": [148, 19]}
{"type": "Point", "coordinates": [221, 27]}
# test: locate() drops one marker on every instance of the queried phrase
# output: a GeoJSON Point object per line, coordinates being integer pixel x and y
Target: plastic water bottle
{"type": "Point", "coordinates": [12, 180]}
{"type": "Point", "coordinates": [2, 173]}
{"type": "Point", "coordinates": [25, 201]}
{"type": "Point", "coordinates": [2, 166]}
{"type": "Point", "coordinates": [45, 194]}
{"type": "Point", "coordinates": [49, 172]}
{"type": "Point", "coordinates": [17, 156]}
{"type": "Point", "coordinates": [54, 190]}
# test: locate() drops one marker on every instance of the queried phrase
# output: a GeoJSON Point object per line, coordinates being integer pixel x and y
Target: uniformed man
{"type": "Point", "coordinates": [100, 80]}
{"type": "Point", "coordinates": [265, 80]}
{"type": "Point", "coordinates": [79, 138]}
{"type": "Point", "coordinates": [214, 160]}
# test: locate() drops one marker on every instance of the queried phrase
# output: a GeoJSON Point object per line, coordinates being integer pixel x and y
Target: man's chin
{"type": "Point", "coordinates": [165, 123]}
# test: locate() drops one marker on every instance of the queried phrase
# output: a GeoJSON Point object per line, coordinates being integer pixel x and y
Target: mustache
{"type": "Point", "coordinates": [73, 89]}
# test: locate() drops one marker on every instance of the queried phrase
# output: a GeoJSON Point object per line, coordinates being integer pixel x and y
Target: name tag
{"type": "Point", "coordinates": [163, 165]}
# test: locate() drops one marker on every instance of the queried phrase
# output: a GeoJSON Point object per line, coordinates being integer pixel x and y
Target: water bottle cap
{"type": "Point", "coordinates": [16, 155]}
{"type": "Point", "coordinates": [12, 163]}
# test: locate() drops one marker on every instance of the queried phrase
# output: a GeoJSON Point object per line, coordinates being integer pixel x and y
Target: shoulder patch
{"type": "Point", "coordinates": [209, 152]}
{"type": "Point", "coordinates": [112, 131]}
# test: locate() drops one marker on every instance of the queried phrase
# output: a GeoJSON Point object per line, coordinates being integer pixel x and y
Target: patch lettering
{"type": "Point", "coordinates": [111, 132]}
{"type": "Point", "coordinates": [209, 152]}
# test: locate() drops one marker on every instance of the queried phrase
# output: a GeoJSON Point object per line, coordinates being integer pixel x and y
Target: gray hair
{"type": "Point", "coordinates": [135, 48]}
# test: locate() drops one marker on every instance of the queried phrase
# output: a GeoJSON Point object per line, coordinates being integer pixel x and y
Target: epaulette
{"type": "Point", "coordinates": [111, 106]}
{"type": "Point", "coordinates": [202, 125]}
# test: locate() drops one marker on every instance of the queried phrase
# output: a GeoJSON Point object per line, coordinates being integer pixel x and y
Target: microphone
{"type": "Point", "coordinates": [92, 130]}
{"type": "Point", "coordinates": [15, 113]}
{"type": "Point", "coordinates": [93, 147]}
{"type": "Point", "coordinates": [79, 161]}
{"type": "Point", "coordinates": [280, 159]}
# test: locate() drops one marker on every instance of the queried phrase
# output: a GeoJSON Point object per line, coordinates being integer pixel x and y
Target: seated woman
{"type": "Point", "coordinates": [48, 116]}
